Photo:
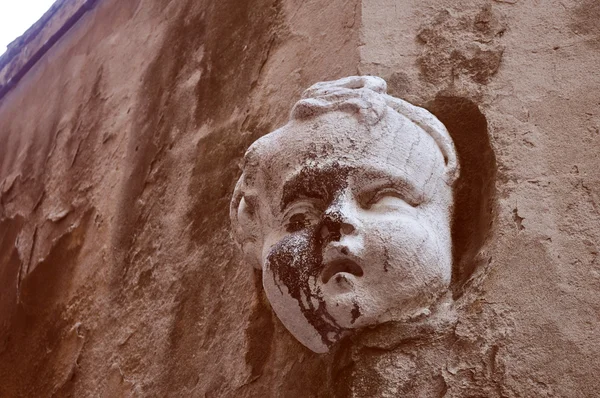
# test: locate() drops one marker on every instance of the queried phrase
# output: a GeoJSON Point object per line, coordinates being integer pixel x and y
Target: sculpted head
{"type": "Point", "coordinates": [346, 210]}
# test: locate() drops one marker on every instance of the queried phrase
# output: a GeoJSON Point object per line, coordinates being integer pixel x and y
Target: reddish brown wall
{"type": "Point", "coordinates": [118, 153]}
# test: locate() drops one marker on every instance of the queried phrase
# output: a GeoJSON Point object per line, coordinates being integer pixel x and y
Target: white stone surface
{"type": "Point", "coordinates": [346, 209]}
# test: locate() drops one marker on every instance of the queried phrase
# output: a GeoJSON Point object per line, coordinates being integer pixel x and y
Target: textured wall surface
{"type": "Point", "coordinates": [119, 151]}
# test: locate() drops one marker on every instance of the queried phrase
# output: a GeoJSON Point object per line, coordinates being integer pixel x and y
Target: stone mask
{"type": "Point", "coordinates": [347, 210]}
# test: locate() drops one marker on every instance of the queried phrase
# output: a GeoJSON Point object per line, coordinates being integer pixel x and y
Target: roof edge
{"type": "Point", "coordinates": [25, 51]}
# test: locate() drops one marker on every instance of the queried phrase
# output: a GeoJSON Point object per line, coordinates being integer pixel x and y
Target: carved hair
{"type": "Point", "coordinates": [365, 96]}
{"type": "Point", "coordinates": [362, 96]}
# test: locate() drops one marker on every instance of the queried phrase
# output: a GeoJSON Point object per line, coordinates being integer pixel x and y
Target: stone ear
{"type": "Point", "coordinates": [245, 224]}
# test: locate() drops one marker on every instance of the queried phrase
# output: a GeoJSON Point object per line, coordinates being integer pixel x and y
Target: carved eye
{"type": "Point", "coordinates": [297, 222]}
{"type": "Point", "coordinates": [300, 216]}
{"type": "Point", "coordinates": [389, 197]}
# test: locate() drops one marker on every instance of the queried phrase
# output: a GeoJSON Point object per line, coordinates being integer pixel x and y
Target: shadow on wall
{"type": "Point", "coordinates": [474, 194]}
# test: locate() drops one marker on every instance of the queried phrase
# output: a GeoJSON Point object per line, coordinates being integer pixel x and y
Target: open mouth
{"type": "Point", "coordinates": [342, 265]}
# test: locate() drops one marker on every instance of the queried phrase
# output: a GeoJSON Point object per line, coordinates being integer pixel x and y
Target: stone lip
{"type": "Point", "coordinates": [24, 52]}
{"type": "Point", "coordinates": [342, 265]}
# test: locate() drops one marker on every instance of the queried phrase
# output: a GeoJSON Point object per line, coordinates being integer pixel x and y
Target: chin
{"type": "Point", "coordinates": [351, 312]}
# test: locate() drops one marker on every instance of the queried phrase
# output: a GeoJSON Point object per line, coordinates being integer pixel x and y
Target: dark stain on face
{"type": "Point", "coordinates": [297, 259]}
{"type": "Point", "coordinates": [294, 260]}
{"type": "Point", "coordinates": [386, 259]}
{"type": "Point", "coordinates": [321, 183]}
{"type": "Point", "coordinates": [355, 312]}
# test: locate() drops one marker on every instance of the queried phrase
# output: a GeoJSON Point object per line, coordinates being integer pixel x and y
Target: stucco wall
{"type": "Point", "coordinates": [119, 151]}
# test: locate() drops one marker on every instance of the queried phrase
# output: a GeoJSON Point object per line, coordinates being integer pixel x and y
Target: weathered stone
{"type": "Point", "coordinates": [347, 211]}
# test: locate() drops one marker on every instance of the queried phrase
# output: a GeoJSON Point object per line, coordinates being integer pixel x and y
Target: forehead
{"type": "Point", "coordinates": [337, 141]}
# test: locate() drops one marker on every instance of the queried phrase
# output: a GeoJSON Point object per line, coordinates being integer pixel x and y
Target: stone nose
{"type": "Point", "coordinates": [332, 229]}
{"type": "Point", "coordinates": [338, 220]}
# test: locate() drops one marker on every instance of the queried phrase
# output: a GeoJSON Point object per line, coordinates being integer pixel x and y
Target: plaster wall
{"type": "Point", "coordinates": [119, 152]}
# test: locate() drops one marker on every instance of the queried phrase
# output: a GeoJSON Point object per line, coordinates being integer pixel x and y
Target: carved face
{"type": "Point", "coordinates": [355, 224]}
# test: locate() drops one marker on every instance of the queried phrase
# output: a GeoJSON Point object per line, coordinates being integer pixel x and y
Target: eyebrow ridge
{"type": "Point", "coordinates": [315, 182]}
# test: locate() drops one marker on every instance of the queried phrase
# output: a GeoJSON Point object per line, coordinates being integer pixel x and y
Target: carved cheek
{"type": "Point", "coordinates": [292, 263]}
{"type": "Point", "coordinates": [293, 266]}
{"type": "Point", "coordinates": [408, 254]}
